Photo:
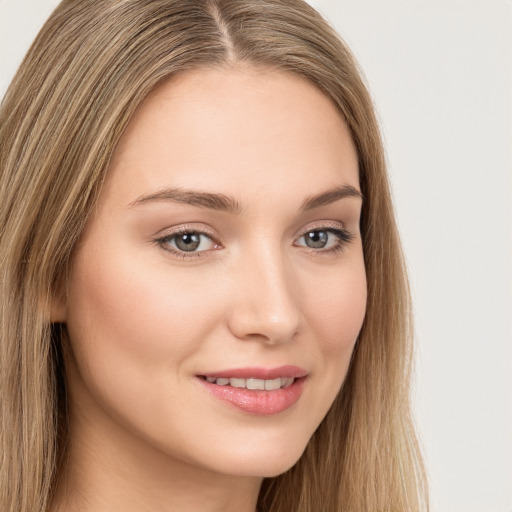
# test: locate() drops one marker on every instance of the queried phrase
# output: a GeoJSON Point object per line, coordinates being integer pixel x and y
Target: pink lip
{"type": "Point", "coordinates": [260, 402]}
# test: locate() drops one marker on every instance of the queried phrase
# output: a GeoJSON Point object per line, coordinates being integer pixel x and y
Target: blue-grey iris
{"type": "Point", "coordinates": [188, 241]}
{"type": "Point", "coordinates": [316, 239]}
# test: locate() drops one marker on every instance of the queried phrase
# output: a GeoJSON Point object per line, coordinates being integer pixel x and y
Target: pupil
{"type": "Point", "coordinates": [188, 241]}
{"type": "Point", "coordinates": [316, 239]}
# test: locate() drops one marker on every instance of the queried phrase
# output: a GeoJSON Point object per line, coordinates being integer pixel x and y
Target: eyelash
{"type": "Point", "coordinates": [343, 238]}
{"type": "Point", "coordinates": [163, 242]}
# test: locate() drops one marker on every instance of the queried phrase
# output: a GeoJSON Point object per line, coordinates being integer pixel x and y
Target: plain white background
{"type": "Point", "coordinates": [440, 73]}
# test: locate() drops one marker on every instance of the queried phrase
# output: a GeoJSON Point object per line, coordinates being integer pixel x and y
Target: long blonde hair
{"type": "Point", "coordinates": [92, 64]}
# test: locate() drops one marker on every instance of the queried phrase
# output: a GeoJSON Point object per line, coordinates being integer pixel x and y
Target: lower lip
{"type": "Point", "coordinates": [261, 402]}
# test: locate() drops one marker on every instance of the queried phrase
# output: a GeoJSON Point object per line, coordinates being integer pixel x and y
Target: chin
{"type": "Point", "coordinates": [260, 459]}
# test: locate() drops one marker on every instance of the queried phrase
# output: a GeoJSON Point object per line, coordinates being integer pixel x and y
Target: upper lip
{"type": "Point", "coordinates": [287, 371]}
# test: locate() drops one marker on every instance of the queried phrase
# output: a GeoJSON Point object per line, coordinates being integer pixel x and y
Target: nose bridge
{"type": "Point", "coordinates": [267, 305]}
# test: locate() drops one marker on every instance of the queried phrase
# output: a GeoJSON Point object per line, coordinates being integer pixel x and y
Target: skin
{"type": "Point", "coordinates": [145, 322]}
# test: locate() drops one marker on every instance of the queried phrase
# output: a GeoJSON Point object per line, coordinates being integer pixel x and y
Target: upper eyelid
{"type": "Point", "coordinates": [169, 232]}
{"type": "Point", "coordinates": [184, 228]}
{"type": "Point", "coordinates": [339, 231]}
{"type": "Point", "coordinates": [326, 226]}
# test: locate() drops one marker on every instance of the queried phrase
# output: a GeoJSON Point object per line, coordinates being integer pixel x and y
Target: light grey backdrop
{"type": "Point", "coordinates": [440, 73]}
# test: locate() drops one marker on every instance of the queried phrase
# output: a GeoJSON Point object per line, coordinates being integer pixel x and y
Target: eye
{"type": "Point", "coordinates": [316, 239]}
{"type": "Point", "coordinates": [325, 239]}
{"type": "Point", "coordinates": [187, 241]}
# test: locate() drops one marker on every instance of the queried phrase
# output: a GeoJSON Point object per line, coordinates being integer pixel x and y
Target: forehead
{"type": "Point", "coordinates": [237, 128]}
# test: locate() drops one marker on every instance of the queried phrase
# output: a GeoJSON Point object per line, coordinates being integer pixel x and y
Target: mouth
{"type": "Point", "coordinates": [252, 383]}
{"type": "Point", "coordinates": [257, 391]}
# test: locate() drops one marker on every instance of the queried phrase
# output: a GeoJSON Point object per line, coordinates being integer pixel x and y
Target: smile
{"type": "Point", "coordinates": [258, 391]}
{"type": "Point", "coordinates": [252, 383]}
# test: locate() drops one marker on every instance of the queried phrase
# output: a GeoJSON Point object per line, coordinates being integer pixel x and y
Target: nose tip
{"type": "Point", "coordinates": [272, 329]}
{"type": "Point", "coordinates": [266, 308]}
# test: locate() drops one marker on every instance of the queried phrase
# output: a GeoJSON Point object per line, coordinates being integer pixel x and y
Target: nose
{"type": "Point", "coordinates": [266, 304]}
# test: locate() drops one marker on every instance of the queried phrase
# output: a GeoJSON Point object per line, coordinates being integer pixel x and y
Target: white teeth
{"type": "Point", "coordinates": [287, 382]}
{"type": "Point", "coordinates": [257, 384]}
{"type": "Point", "coordinates": [272, 384]}
{"type": "Point", "coordinates": [236, 383]}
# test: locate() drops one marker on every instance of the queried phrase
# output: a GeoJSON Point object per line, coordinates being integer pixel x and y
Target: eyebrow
{"type": "Point", "coordinates": [222, 202]}
{"type": "Point", "coordinates": [202, 199]}
{"type": "Point", "coordinates": [331, 196]}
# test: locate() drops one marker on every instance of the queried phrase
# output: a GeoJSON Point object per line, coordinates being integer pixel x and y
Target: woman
{"type": "Point", "coordinates": [204, 303]}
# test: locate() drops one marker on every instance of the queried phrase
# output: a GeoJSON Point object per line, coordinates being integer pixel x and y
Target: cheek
{"type": "Point", "coordinates": [336, 309]}
{"type": "Point", "coordinates": [126, 306]}
{"type": "Point", "coordinates": [133, 329]}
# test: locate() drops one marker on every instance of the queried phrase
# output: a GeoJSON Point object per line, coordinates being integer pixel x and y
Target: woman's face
{"type": "Point", "coordinates": [225, 245]}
